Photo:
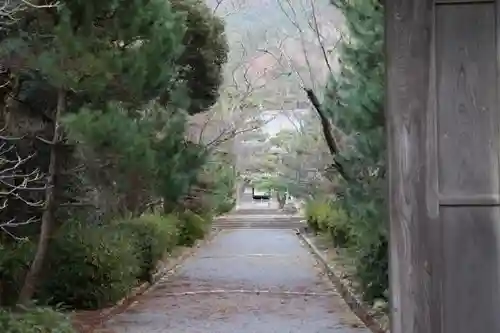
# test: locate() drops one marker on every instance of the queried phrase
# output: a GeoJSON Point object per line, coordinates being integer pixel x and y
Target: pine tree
{"type": "Point", "coordinates": [204, 55]}
{"type": "Point", "coordinates": [112, 82]}
{"type": "Point", "coordinates": [354, 102]}
{"type": "Point", "coordinates": [107, 48]}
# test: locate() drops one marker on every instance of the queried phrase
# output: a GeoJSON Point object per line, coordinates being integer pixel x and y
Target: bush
{"type": "Point", "coordinates": [372, 269]}
{"type": "Point", "coordinates": [191, 227]}
{"type": "Point", "coordinates": [15, 259]}
{"type": "Point", "coordinates": [325, 216]}
{"type": "Point", "coordinates": [153, 236]}
{"type": "Point", "coordinates": [311, 216]}
{"type": "Point", "coordinates": [367, 245]}
{"type": "Point", "coordinates": [36, 320]}
{"type": "Point", "coordinates": [338, 226]}
{"type": "Point", "coordinates": [226, 206]}
{"type": "Point", "coordinates": [89, 267]}
{"type": "Point", "coordinates": [317, 214]}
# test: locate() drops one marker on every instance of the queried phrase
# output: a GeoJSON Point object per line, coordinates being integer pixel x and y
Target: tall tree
{"type": "Point", "coordinates": [204, 55]}
{"type": "Point", "coordinates": [354, 101]}
{"type": "Point", "coordinates": [92, 46]}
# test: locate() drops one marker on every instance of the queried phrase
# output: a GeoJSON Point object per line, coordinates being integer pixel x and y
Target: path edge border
{"type": "Point", "coordinates": [171, 266]}
{"type": "Point", "coordinates": [352, 300]}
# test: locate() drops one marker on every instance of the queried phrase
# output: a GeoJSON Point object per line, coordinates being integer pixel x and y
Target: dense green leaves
{"type": "Point", "coordinates": [125, 75]}
{"type": "Point", "coordinates": [354, 100]}
{"type": "Point", "coordinates": [101, 47]}
{"type": "Point", "coordinates": [192, 228]}
{"type": "Point", "coordinates": [38, 320]}
{"type": "Point", "coordinates": [205, 53]}
{"type": "Point", "coordinates": [89, 267]}
{"type": "Point", "coordinates": [153, 236]}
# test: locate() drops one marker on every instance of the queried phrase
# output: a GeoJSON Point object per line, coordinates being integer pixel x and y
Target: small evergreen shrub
{"type": "Point", "coordinates": [89, 267]}
{"type": "Point", "coordinates": [36, 320]}
{"type": "Point", "coordinates": [191, 228]}
{"type": "Point", "coordinates": [153, 236]}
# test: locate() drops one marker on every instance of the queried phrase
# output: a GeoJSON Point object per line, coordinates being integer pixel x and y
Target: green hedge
{"type": "Point", "coordinates": [328, 217]}
{"type": "Point", "coordinates": [369, 254]}
{"type": "Point", "coordinates": [315, 212]}
{"type": "Point", "coordinates": [153, 236]}
{"type": "Point", "coordinates": [90, 267]}
{"type": "Point", "coordinates": [338, 226]}
{"type": "Point", "coordinates": [226, 206]}
{"type": "Point", "coordinates": [192, 227]}
{"type": "Point", "coordinates": [36, 320]}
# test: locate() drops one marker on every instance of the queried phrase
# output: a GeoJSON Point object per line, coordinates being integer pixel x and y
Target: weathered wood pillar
{"type": "Point", "coordinates": [443, 130]}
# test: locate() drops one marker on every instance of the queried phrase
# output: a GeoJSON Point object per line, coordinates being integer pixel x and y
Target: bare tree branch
{"type": "Point", "coordinates": [228, 135]}
{"type": "Point", "coordinates": [327, 127]}
{"type": "Point", "coordinates": [16, 184]}
{"type": "Point", "coordinates": [11, 10]}
{"type": "Point", "coordinates": [242, 110]}
{"type": "Point", "coordinates": [217, 5]}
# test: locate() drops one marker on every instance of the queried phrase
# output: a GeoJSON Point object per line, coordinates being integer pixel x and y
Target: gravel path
{"type": "Point", "coordinates": [245, 281]}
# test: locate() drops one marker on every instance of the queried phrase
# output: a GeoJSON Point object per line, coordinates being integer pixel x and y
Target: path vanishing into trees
{"type": "Point", "coordinates": [246, 281]}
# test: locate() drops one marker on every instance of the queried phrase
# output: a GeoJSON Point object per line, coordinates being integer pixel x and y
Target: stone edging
{"type": "Point", "coordinates": [170, 267]}
{"type": "Point", "coordinates": [353, 301]}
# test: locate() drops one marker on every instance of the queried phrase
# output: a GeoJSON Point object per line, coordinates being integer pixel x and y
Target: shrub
{"type": "Point", "coordinates": [372, 269]}
{"type": "Point", "coordinates": [191, 227]}
{"type": "Point", "coordinates": [366, 244]}
{"type": "Point", "coordinates": [330, 217]}
{"type": "Point", "coordinates": [36, 320]}
{"type": "Point", "coordinates": [15, 259]}
{"type": "Point", "coordinates": [89, 267]}
{"type": "Point", "coordinates": [338, 225]}
{"type": "Point", "coordinates": [153, 236]}
{"type": "Point", "coordinates": [317, 212]}
{"type": "Point", "coordinates": [310, 213]}
{"type": "Point", "coordinates": [226, 206]}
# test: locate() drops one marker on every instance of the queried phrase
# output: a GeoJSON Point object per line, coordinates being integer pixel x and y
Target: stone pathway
{"type": "Point", "coordinates": [245, 281]}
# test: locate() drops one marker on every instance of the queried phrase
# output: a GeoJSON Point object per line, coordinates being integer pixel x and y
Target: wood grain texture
{"type": "Point", "coordinates": [408, 47]}
{"type": "Point", "coordinates": [443, 155]}
{"type": "Point", "coordinates": [468, 135]}
{"type": "Point", "coordinates": [471, 264]}
{"type": "Point", "coordinates": [468, 121]}
{"type": "Point", "coordinates": [431, 226]}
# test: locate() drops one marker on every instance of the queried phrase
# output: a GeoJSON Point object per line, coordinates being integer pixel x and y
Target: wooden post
{"type": "Point", "coordinates": [443, 133]}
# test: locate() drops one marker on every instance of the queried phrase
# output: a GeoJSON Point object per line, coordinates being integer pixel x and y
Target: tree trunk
{"type": "Point", "coordinates": [48, 218]}
{"type": "Point", "coordinates": [281, 200]}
